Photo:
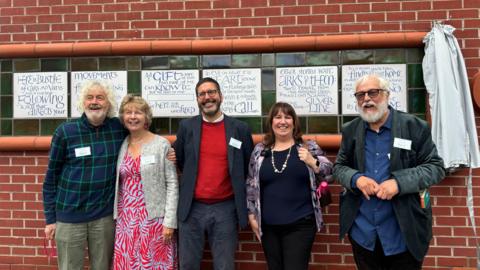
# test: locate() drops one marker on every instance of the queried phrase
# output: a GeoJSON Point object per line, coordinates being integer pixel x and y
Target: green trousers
{"type": "Point", "coordinates": [72, 237]}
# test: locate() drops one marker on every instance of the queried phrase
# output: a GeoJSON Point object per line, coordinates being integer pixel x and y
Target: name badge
{"type": "Point", "coordinates": [82, 151]}
{"type": "Point", "coordinates": [402, 143]}
{"type": "Point", "coordinates": [235, 143]}
{"type": "Point", "coordinates": [148, 160]}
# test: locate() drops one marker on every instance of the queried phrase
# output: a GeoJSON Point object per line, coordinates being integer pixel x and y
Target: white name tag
{"type": "Point", "coordinates": [82, 151]}
{"type": "Point", "coordinates": [402, 143]}
{"type": "Point", "coordinates": [148, 160]}
{"type": "Point", "coordinates": [235, 143]}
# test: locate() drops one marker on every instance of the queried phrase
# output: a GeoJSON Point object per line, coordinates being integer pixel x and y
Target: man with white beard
{"type": "Point", "coordinates": [78, 191]}
{"type": "Point", "coordinates": [386, 163]}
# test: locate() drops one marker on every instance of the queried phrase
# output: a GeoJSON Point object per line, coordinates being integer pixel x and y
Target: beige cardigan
{"type": "Point", "coordinates": [159, 179]}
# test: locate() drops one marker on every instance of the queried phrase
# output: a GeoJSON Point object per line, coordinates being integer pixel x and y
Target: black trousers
{"type": "Point", "coordinates": [288, 247]}
{"type": "Point", "coordinates": [376, 259]}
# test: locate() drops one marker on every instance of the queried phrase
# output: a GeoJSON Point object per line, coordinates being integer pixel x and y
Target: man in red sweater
{"type": "Point", "coordinates": [213, 151]}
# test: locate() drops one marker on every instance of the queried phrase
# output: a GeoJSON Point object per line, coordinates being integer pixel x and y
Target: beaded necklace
{"type": "Point", "coordinates": [284, 166]}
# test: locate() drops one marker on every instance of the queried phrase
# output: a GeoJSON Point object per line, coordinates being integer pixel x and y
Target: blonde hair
{"type": "Point", "coordinates": [140, 103]}
{"type": "Point", "coordinates": [112, 111]}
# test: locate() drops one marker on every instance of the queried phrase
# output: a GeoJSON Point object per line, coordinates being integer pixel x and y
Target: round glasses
{"type": "Point", "coordinates": [210, 93]}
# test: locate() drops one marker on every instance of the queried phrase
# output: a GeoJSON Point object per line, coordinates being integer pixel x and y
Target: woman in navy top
{"type": "Point", "coordinates": [284, 173]}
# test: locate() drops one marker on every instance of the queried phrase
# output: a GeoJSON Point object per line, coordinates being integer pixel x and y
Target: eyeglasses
{"type": "Point", "coordinates": [210, 92]}
{"type": "Point", "coordinates": [372, 93]}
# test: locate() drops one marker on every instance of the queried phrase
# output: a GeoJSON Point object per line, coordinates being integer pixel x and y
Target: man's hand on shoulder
{"type": "Point", "coordinates": [171, 155]}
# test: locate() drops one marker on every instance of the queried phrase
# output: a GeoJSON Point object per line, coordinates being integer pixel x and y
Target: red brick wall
{"type": "Point", "coordinates": [21, 223]}
{"type": "Point", "coordinates": [21, 210]}
{"type": "Point", "coordinates": [30, 21]}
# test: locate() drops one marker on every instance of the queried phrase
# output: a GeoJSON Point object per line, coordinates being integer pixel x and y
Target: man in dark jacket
{"type": "Point", "coordinates": [386, 163]}
{"type": "Point", "coordinates": [213, 151]}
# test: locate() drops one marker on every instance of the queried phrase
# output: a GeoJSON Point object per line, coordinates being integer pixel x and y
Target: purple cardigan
{"type": "Point", "coordinates": [253, 181]}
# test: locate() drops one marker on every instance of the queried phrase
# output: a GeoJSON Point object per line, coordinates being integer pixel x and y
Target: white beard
{"type": "Point", "coordinates": [374, 117]}
{"type": "Point", "coordinates": [97, 116]}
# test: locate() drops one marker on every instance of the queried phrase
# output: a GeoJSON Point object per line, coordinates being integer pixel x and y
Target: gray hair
{"type": "Point", "coordinates": [107, 88]}
{"type": "Point", "coordinates": [382, 83]}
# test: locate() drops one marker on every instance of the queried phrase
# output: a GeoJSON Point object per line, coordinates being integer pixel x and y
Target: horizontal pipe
{"type": "Point", "coordinates": [38, 143]}
{"type": "Point", "coordinates": [214, 46]}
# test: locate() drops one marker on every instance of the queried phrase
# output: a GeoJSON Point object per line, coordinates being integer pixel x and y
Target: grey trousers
{"type": "Point", "coordinates": [219, 222]}
{"type": "Point", "coordinates": [72, 237]}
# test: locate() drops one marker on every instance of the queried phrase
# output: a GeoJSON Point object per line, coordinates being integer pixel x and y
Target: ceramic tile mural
{"type": "Point", "coordinates": [267, 63]}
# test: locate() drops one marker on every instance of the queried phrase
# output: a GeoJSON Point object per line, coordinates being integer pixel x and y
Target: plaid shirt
{"type": "Point", "coordinates": [80, 180]}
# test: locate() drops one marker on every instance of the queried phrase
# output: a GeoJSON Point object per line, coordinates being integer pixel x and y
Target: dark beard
{"type": "Point", "coordinates": [210, 113]}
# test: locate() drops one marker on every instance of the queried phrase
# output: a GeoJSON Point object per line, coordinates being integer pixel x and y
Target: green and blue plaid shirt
{"type": "Point", "coordinates": [79, 184]}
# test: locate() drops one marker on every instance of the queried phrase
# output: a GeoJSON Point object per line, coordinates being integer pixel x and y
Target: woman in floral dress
{"type": "Point", "coordinates": [146, 195]}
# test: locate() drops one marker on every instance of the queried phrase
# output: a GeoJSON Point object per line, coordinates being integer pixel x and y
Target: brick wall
{"type": "Point", "coordinates": [21, 210]}
{"type": "Point", "coordinates": [22, 223]}
{"type": "Point", "coordinates": [45, 21]}
{"type": "Point", "coordinates": [28, 21]}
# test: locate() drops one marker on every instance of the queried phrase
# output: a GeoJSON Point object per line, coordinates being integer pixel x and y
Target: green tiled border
{"type": "Point", "coordinates": [267, 62]}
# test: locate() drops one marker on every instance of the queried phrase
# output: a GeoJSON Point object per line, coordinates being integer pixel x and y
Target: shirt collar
{"type": "Point", "coordinates": [219, 119]}
{"type": "Point", "coordinates": [387, 124]}
{"type": "Point", "coordinates": [87, 123]}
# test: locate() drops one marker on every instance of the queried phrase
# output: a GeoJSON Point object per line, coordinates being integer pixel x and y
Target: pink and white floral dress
{"type": "Point", "coordinates": [138, 241]}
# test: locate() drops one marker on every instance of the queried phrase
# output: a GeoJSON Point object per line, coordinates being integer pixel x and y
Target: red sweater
{"type": "Point", "coordinates": [213, 180]}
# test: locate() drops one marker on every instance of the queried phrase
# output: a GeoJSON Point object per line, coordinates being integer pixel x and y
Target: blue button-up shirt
{"type": "Point", "coordinates": [376, 217]}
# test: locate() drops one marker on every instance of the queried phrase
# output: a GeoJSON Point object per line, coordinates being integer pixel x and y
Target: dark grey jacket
{"type": "Point", "coordinates": [187, 150]}
{"type": "Point", "coordinates": [414, 170]}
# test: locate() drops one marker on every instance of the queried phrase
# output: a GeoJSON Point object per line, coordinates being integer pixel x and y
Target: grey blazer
{"type": "Point", "coordinates": [159, 179]}
{"type": "Point", "coordinates": [187, 149]}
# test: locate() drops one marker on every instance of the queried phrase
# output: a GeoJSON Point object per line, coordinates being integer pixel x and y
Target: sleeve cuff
{"type": "Point", "coordinates": [354, 179]}
{"type": "Point", "coordinates": [50, 221]}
